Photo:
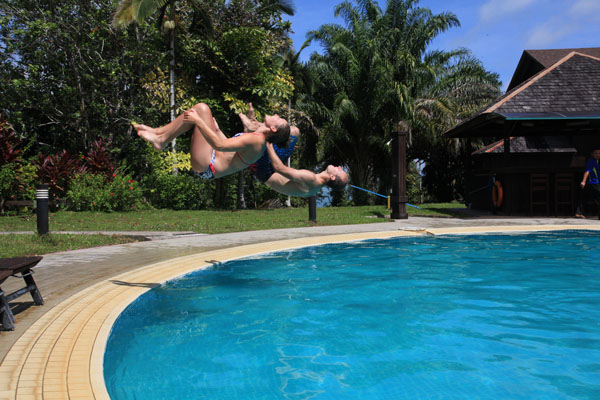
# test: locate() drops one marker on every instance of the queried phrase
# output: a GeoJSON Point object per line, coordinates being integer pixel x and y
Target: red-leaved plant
{"type": "Point", "coordinates": [57, 170]}
{"type": "Point", "coordinates": [99, 160]}
{"type": "Point", "coordinates": [9, 143]}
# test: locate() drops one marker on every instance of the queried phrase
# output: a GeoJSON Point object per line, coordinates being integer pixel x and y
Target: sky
{"type": "Point", "coordinates": [495, 31]}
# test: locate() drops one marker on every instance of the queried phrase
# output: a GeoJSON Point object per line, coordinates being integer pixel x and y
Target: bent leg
{"type": "Point", "coordinates": [200, 149]}
{"type": "Point", "coordinates": [162, 136]}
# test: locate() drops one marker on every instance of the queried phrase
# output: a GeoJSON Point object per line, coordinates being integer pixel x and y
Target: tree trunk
{"type": "Point", "coordinates": [219, 198]}
{"type": "Point", "coordinates": [172, 69]}
{"type": "Point", "coordinates": [241, 200]}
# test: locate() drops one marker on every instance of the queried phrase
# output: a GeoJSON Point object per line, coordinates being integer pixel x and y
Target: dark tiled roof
{"type": "Point", "coordinates": [569, 86]}
{"type": "Point", "coordinates": [573, 85]}
{"type": "Point", "coordinates": [534, 61]}
{"type": "Point", "coordinates": [549, 57]}
{"type": "Point", "coordinates": [533, 144]}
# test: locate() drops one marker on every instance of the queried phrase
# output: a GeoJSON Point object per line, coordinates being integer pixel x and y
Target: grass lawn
{"type": "Point", "coordinates": [210, 222]}
{"type": "Point", "coordinates": [14, 245]}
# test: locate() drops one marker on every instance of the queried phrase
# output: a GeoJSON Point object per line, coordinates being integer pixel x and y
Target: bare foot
{"type": "Point", "coordinates": [149, 134]}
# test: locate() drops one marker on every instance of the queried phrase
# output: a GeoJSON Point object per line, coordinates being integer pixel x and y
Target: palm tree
{"type": "Point", "coordinates": [376, 72]}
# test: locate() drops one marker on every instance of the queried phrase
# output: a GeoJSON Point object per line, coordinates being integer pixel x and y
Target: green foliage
{"type": "Point", "coordinates": [136, 10]}
{"type": "Point", "coordinates": [94, 192]}
{"type": "Point", "coordinates": [178, 192]}
{"type": "Point", "coordinates": [70, 82]}
{"type": "Point", "coordinates": [26, 178]}
{"type": "Point", "coordinates": [99, 160]}
{"type": "Point", "coordinates": [17, 178]}
{"type": "Point", "coordinates": [376, 73]}
{"type": "Point", "coordinates": [9, 144]}
{"type": "Point", "coordinates": [165, 189]}
{"type": "Point", "coordinates": [7, 179]}
{"type": "Point", "coordinates": [88, 192]}
{"type": "Point", "coordinates": [56, 171]}
{"type": "Point", "coordinates": [413, 184]}
{"type": "Point", "coordinates": [68, 78]}
{"type": "Point", "coordinates": [238, 59]}
{"type": "Point", "coordinates": [124, 193]}
{"type": "Point", "coordinates": [179, 161]}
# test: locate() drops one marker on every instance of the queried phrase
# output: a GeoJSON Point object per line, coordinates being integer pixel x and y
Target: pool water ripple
{"type": "Point", "coordinates": [450, 317]}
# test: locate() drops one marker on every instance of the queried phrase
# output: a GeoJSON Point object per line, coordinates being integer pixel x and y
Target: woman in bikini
{"type": "Point", "coordinates": [213, 155]}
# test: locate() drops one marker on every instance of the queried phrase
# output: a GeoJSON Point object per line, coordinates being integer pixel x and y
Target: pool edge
{"type": "Point", "coordinates": [61, 355]}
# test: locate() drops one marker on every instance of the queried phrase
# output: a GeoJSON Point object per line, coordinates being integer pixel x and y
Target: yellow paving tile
{"type": "Point", "coordinates": [55, 396]}
{"type": "Point", "coordinates": [7, 394]}
{"type": "Point", "coordinates": [28, 396]}
{"type": "Point", "coordinates": [55, 388]}
{"type": "Point", "coordinates": [28, 392]}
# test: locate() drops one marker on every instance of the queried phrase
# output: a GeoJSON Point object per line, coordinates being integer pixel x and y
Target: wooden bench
{"type": "Point", "coordinates": [23, 203]}
{"type": "Point", "coordinates": [12, 267]}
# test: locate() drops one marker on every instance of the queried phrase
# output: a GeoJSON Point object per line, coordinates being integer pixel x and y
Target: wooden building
{"type": "Point", "coordinates": [545, 126]}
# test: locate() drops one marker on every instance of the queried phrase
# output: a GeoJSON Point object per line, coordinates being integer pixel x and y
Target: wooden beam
{"type": "Point", "coordinates": [399, 198]}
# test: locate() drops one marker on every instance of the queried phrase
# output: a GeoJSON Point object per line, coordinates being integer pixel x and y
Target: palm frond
{"type": "Point", "coordinates": [129, 11]}
{"type": "Point", "coordinates": [124, 13]}
{"type": "Point", "coordinates": [283, 6]}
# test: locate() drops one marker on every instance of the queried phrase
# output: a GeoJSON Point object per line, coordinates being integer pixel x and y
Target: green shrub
{"type": "Point", "coordinates": [94, 192]}
{"type": "Point", "coordinates": [125, 193]}
{"type": "Point", "coordinates": [7, 179]}
{"type": "Point", "coordinates": [25, 181]}
{"type": "Point", "coordinates": [177, 192]}
{"type": "Point", "coordinates": [57, 170]}
{"type": "Point", "coordinates": [88, 192]}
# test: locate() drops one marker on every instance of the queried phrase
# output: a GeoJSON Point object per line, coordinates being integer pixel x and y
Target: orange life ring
{"type": "Point", "coordinates": [497, 194]}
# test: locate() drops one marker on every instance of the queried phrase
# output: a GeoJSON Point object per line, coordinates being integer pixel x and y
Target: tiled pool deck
{"type": "Point", "coordinates": [57, 349]}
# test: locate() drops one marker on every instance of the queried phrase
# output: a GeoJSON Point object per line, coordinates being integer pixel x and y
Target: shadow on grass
{"type": "Point", "coordinates": [454, 212]}
{"type": "Point", "coordinates": [378, 214]}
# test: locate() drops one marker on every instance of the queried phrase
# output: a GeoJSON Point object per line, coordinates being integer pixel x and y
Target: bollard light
{"type": "Point", "coordinates": [41, 198]}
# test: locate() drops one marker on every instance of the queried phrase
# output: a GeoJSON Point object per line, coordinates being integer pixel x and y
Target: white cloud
{"type": "Point", "coordinates": [588, 9]}
{"type": "Point", "coordinates": [496, 9]}
{"type": "Point", "coordinates": [547, 34]}
{"type": "Point", "coordinates": [577, 19]}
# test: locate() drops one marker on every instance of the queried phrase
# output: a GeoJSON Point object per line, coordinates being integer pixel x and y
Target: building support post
{"type": "Point", "coordinates": [509, 127]}
{"type": "Point", "coordinates": [399, 198]}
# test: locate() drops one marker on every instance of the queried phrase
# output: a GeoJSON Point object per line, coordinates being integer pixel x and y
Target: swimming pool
{"type": "Point", "coordinates": [449, 317]}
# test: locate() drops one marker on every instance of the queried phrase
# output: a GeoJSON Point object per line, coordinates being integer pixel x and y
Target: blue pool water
{"type": "Point", "coordinates": [453, 317]}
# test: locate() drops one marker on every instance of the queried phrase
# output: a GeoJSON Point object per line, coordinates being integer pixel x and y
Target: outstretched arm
{"type": "Point", "coordinates": [295, 175]}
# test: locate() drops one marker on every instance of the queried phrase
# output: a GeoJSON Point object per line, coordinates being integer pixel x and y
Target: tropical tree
{"type": "Point", "coordinates": [129, 11]}
{"type": "Point", "coordinates": [460, 86]}
{"type": "Point", "coordinates": [67, 78]}
{"type": "Point", "coordinates": [376, 72]}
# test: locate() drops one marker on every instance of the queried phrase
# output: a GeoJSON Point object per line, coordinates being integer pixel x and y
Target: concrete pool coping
{"type": "Point", "coordinates": [59, 355]}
